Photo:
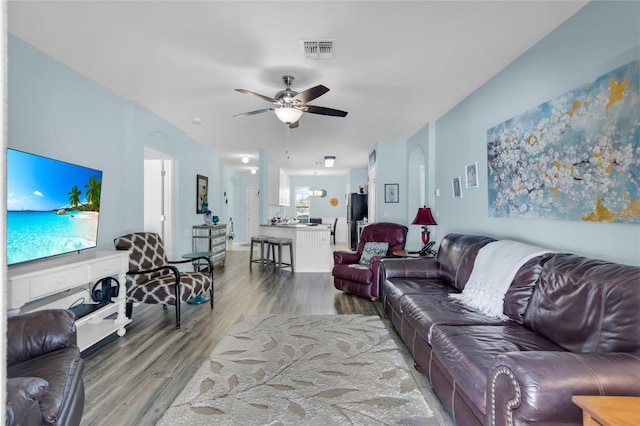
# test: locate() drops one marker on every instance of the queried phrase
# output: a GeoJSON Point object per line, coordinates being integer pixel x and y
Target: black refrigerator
{"type": "Point", "coordinates": [357, 208]}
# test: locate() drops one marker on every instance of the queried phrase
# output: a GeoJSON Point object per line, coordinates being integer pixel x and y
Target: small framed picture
{"type": "Point", "coordinates": [471, 173]}
{"type": "Point", "coordinates": [391, 193]}
{"type": "Point", "coordinates": [202, 194]}
{"type": "Point", "coordinates": [456, 185]}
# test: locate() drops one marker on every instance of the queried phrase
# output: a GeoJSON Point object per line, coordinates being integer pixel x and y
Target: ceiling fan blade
{"type": "Point", "coordinates": [310, 94]}
{"type": "Point", "coordinates": [324, 111]}
{"type": "Point", "coordinates": [294, 125]}
{"type": "Point", "coordinates": [257, 95]}
{"type": "Point", "coordinates": [259, 111]}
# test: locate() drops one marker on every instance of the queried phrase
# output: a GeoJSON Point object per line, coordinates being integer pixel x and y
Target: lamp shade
{"type": "Point", "coordinates": [288, 115]}
{"type": "Point", "coordinates": [329, 160]}
{"type": "Point", "coordinates": [424, 217]}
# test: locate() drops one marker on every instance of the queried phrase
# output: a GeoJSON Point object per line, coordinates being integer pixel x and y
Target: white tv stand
{"type": "Point", "coordinates": [51, 284]}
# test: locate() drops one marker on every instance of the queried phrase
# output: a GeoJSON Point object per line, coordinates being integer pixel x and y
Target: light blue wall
{"type": "Point", "coordinates": [599, 38]}
{"type": "Point", "coordinates": [391, 167]}
{"type": "Point", "coordinates": [355, 179]}
{"type": "Point", "coordinates": [418, 153]}
{"type": "Point", "coordinates": [321, 207]}
{"type": "Point", "coordinates": [56, 112]}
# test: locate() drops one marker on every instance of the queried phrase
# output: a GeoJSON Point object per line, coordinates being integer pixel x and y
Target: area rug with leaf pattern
{"type": "Point", "coordinates": [303, 370]}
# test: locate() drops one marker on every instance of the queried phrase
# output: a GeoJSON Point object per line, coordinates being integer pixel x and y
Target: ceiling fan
{"type": "Point", "coordinates": [290, 105]}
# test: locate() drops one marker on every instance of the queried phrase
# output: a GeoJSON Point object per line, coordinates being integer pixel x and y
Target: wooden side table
{"type": "Point", "coordinates": [404, 253]}
{"type": "Point", "coordinates": [608, 410]}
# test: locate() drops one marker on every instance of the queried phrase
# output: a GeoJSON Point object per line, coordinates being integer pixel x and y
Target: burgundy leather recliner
{"type": "Point", "coordinates": [363, 280]}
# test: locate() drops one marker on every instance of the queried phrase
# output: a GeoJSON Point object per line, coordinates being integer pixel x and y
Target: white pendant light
{"type": "Point", "coordinates": [288, 115]}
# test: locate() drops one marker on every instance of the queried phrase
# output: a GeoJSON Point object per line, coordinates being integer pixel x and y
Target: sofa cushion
{"type": "Point", "coordinates": [62, 369]}
{"type": "Point", "coordinates": [371, 249]}
{"type": "Point", "coordinates": [467, 352]}
{"type": "Point", "coordinates": [456, 256]}
{"type": "Point", "coordinates": [587, 305]}
{"type": "Point", "coordinates": [396, 288]}
{"type": "Point", "coordinates": [490, 279]}
{"type": "Point", "coordinates": [35, 333]}
{"type": "Point", "coordinates": [423, 311]}
{"type": "Point", "coordinates": [517, 298]}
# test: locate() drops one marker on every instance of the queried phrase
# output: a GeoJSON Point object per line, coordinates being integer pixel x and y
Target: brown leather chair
{"type": "Point", "coordinates": [44, 369]}
{"type": "Point", "coordinates": [352, 276]}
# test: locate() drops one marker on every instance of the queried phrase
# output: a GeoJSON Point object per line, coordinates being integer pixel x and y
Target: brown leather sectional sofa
{"type": "Point", "coordinates": [44, 369]}
{"type": "Point", "coordinates": [573, 328]}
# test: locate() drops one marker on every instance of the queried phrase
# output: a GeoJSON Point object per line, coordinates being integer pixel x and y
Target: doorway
{"type": "Point", "coordinates": [158, 196]}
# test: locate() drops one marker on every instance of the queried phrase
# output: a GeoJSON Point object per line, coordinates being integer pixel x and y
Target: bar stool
{"type": "Point", "coordinates": [262, 241]}
{"type": "Point", "coordinates": [278, 263]}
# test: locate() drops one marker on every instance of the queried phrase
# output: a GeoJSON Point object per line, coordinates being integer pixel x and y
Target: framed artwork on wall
{"type": "Point", "coordinates": [391, 193]}
{"type": "Point", "coordinates": [202, 194]}
{"type": "Point", "coordinates": [471, 173]}
{"type": "Point", "coordinates": [573, 157]}
{"type": "Point", "coordinates": [456, 186]}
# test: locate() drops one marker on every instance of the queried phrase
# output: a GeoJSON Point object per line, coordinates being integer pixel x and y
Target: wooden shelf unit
{"type": "Point", "coordinates": [57, 283]}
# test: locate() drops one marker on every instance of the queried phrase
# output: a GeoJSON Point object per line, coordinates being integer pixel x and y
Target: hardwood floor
{"type": "Point", "coordinates": [133, 379]}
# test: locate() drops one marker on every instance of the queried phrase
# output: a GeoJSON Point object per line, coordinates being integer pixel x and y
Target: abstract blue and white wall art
{"type": "Point", "coordinates": [576, 157]}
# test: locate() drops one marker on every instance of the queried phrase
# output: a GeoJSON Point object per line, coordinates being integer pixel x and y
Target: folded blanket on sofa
{"type": "Point", "coordinates": [493, 271]}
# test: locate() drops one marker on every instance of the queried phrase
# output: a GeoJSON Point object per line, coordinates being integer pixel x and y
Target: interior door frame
{"type": "Point", "coordinates": [252, 221]}
{"type": "Point", "coordinates": [166, 216]}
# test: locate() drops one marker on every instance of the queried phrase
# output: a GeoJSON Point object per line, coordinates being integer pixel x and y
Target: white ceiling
{"type": "Point", "coordinates": [398, 64]}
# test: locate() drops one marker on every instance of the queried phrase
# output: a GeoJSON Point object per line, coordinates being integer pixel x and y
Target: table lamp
{"type": "Point", "coordinates": [424, 218]}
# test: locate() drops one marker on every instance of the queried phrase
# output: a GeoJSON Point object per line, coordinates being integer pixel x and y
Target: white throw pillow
{"type": "Point", "coordinates": [373, 249]}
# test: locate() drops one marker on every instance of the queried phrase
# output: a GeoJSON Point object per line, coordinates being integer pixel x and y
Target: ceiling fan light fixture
{"type": "Point", "coordinates": [288, 115]}
{"type": "Point", "coordinates": [329, 160]}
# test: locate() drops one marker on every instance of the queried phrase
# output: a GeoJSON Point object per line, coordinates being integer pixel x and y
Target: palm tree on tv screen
{"type": "Point", "coordinates": [93, 193]}
{"type": "Point", "coordinates": [74, 196]}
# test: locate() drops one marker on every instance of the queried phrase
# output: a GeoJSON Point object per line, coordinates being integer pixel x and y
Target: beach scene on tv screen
{"type": "Point", "coordinates": [53, 207]}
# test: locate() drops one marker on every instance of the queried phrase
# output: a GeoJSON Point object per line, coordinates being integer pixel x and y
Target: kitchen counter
{"type": "Point", "coordinates": [311, 245]}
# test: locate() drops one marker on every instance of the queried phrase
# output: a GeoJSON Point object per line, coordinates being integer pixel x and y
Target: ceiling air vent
{"type": "Point", "coordinates": [318, 49]}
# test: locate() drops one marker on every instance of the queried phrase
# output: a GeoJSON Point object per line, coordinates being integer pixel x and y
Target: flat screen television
{"type": "Point", "coordinates": [53, 207]}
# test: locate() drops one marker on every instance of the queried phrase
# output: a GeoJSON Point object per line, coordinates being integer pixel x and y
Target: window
{"type": "Point", "coordinates": [302, 203]}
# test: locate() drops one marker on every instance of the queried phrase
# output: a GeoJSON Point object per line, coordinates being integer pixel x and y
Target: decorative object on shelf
{"type": "Point", "coordinates": [424, 218]}
{"type": "Point", "coordinates": [391, 193]}
{"type": "Point", "coordinates": [471, 173]}
{"type": "Point", "coordinates": [456, 186]}
{"type": "Point", "coordinates": [208, 215]}
{"type": "Point", "coordinates": [215, 220]}
{"type": "Point", "coordinates": [202, 191]}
